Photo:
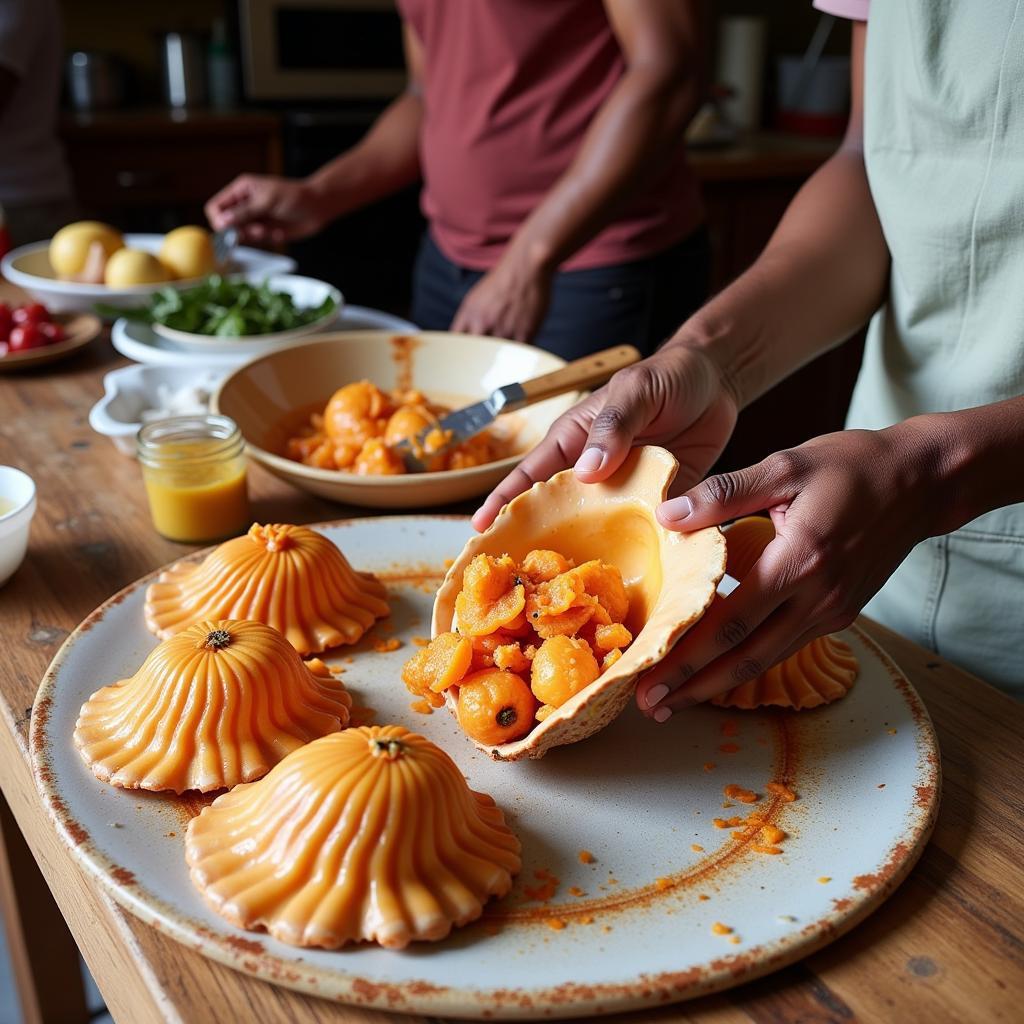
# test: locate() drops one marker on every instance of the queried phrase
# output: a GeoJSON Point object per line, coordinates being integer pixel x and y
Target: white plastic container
{"type": "Point", "coordinates": [133, 389]}
{"type": "Point", "coordinates": [19, 488]}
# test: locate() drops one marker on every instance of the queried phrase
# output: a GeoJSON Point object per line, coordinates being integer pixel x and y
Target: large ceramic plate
{"type": "Point", "coordinates": [640, 797]}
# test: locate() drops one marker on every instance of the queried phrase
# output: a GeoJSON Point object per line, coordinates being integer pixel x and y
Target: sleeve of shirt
{"type": "Point", "coordinates": [17, 34]}
{"type": "Point", "coordinates": [855, 10]}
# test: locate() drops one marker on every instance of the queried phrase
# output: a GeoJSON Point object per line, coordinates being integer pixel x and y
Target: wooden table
{"type": "Point", "coordinates": [948, 946]}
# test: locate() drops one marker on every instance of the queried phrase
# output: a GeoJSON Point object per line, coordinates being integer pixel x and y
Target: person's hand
{"type": "Point", "coordinates": [677, 398]}
{"type": "Point", "coordinates": [266, 209]}
{"type": "Point", "coordinates": [507, 302]}
{"type": "Point", "coordinates": [847, 508]}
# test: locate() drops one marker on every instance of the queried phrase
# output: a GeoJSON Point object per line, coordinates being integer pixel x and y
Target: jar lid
{"type": "Point", "coordinates": [170, 440]}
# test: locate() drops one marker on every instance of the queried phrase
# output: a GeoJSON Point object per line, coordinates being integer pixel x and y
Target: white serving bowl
{"type": "Point", "coordinates": [18, 487]}
{"type": "Point", "coordinates": [28, 266]}
{"type": "Point", "coordinates": [305, 292]}
{"type": "Point", "coordinates": [130, 390]}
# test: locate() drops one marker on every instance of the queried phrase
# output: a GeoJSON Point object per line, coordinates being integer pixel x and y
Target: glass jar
{"type": "Point", "coordinates": [194, 471]}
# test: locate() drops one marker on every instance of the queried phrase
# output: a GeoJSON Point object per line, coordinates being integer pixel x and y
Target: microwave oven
{"type": "Point", "coordinates": [310, 50]}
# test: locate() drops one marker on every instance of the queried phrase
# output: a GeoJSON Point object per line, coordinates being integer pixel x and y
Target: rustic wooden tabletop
{"type": "Point", "coordinates": [947, 946]}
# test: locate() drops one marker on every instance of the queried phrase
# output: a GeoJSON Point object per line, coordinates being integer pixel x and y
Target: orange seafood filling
{"type": "Point", "coordinates": [527, 638]}
{"type": "Point", "coordinates": [360, 424]}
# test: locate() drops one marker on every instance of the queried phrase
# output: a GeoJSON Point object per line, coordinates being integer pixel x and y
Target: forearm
{"type": "Point", "coordinates": [821, 276]}
{"type": "Point", "coordinates": [643, 118]}
{"type": "Point", "coordinates": [383, 162]}
{"type": "Point", "coordinates": [973, 456]}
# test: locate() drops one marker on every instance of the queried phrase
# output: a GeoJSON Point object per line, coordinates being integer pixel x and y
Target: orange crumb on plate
{"type": "Point", "coordinates": [781, 790]}
{"type": "Point", "coordinates": [729, 748]}
{"type": "Point", "coordinates": [891, 732]}
{"type": "Point", "coordinates": [422, 707]}
{"type": "Point", "coordinates": [586, 857]}
{"type": "Point", "coordinates": [381, 646]}
{"type": "Point", "coordinates": [709, 766]}
{"type": "Point", "coordinates": [774, 851]}
{"type": "Point", "coordinates": [575, 890]}
{"type": "Point", "coordinates": [703, 898]}
{"type": "Point", "coordinates": [881, 785]}
{"type": "Point", "coordinates": [556, 924]}
{"type": "Point", "coordinates": [825, 879]}
{"type": "Point", "coordinates": [720, 929]}
{"type": "Point", "coordinates": [734, 822]}
{"type": "Point", "coordinates": [587, 919]}
{"type": "Point", "coordinates": [734, 939]}
{"type": "Point", "coordinates": [772, 834]}
{"type": "Point", "coordinates": [546, 890]}
{"type": "Point", "coordinates": [696, 847]}
{"type": "Point", "coordinates": [421, 641]}
{"type": "Point", "coordinates": [744, 796]}
{"type": "Point", "coordinates": [661, 884]}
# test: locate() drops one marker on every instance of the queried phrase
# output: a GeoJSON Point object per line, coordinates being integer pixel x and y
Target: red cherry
{"type": "Point", "coordinates": [52, 332]}
{"type": "Point", "coordinates": [6, 321]}
{"type": "Point", "coordinates": [33, 313]}
{"type": "Point", "coordinates": [26, 336]}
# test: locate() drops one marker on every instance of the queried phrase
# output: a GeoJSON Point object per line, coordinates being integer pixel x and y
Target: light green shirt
{"type": "Point", "coordinates": [944, 148]}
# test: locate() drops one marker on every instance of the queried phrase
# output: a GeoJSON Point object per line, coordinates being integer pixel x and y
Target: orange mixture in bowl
{"type": "Point", "coordinates": [527, 638]}
{"type": "Point", "coordinates": [361, 422]}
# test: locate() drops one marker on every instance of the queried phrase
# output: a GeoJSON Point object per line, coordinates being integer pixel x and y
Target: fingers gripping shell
{"type": "Point", "coordinates": [289, 577]}
{"type": "Point", "coordinates": [215, 705]}
{"type": "Point", "coordinates": [371, 834]}
{"type": "Point", "coordinates": [820, 672]}
{"type": "Point", "coordinates": [670, 578]}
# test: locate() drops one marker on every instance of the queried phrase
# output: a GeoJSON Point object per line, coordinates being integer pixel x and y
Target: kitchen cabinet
{"type": "Point", "coordinates": [153, 170]}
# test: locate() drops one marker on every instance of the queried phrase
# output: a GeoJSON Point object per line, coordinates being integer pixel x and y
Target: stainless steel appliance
{"type": "Point", "coordinates": [315, 50]}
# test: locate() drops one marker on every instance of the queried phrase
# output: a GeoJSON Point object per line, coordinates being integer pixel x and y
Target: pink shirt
{"type": "Point", "coordinates": [510, 87]}
{"type": "Point", "coordinates": [855, 10]}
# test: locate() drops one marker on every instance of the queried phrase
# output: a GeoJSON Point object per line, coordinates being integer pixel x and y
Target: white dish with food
{"type": "Point", "coordinates": [29, 267]}
{"type": "Point", "coordinates": [142, 344]}
{"type": "Point", "coordinates": [663, 905]}
{"type": "Point", "coordinates": [138, 394]}
{"type": "Point", "coordinates": [305, 293]}
{"type": "Point", "coordinates": [17, 507]}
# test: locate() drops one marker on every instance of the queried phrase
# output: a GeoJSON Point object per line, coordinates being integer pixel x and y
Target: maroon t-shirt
{"type": "Point", "coordinates": [510, 88]}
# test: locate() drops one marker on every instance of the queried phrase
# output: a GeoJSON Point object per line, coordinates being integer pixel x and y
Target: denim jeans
{"type": "Point", "coordinates": [639, 303]}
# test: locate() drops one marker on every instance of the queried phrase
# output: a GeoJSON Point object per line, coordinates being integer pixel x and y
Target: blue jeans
{"type": "Point", "coordinates": [639, 303]}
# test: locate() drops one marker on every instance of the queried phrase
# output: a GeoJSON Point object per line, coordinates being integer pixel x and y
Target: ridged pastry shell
{"type": "Point", "coordinates": [745, 540]}
{"type": "Point", "coordinates": [670, 578]}
{"type": "Point", "coordinates": [371, 834]}
{"type": "Point", "coordinates": [215, 705]}
{"type": "Point", "coordinates": [817, 674]}
{"type": "Point", "coordinates": [289, 577]}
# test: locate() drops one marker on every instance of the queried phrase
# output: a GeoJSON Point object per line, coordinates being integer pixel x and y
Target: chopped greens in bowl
{"type": "Point", "coordinates": [225, 307]}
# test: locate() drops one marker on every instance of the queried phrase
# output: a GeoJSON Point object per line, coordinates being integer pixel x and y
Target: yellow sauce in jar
{"type": "Point", "coordinates": [194, 471]}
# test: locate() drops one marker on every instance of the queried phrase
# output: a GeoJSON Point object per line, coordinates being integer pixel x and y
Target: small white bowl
{"type": "Point", "coordinates": [28, 267]}
{"type": "Point", "coordinates": [19, 488]}
{"type": "Point", "coordinates": [305, 292]}
{"type": "Point", "coordinates": [132, 389]}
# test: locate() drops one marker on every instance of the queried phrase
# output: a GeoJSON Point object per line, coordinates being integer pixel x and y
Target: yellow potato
{"type": "Point", "coordinates": [69, 248]}
{"type": "Point", "coordinates": [128, 267]}
{"type": "Point", "coordinates": [188, 252]}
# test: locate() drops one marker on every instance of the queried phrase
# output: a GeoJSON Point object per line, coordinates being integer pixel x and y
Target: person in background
{"type": "Point", "coordinates": [550, 140]}
{"type": "Point", "coordinates": [35, 186]}
{"type": "Point", "coordinates": [916, 512]}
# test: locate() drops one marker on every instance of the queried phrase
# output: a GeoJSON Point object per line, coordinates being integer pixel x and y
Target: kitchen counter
{"type": "Point", "coordinates": [945, 947]}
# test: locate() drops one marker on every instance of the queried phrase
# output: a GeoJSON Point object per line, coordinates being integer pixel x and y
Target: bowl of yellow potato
{"type": "Point", "coordinates": [89, 263]}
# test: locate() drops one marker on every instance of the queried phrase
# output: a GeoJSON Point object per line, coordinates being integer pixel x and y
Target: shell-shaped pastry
{"type": "Point", "coordinates": [745, 540]}
{"type": "Point", "coordinates": [217, 704]}
{"type": "Point", "coordinates": [821, 672]}
{"type": "Point", "coordinates": [670, 578]}
{"type": "Point", "coordinates": [371, 834]}
{"type": "Point", "coordinates": [289, 577]}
